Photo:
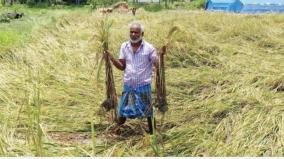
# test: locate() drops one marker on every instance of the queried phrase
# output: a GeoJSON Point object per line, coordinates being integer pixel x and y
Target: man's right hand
{"type": "Point", "coordinates": [108, 54]}
{"type": "Point", "coordinates": [119, 64]}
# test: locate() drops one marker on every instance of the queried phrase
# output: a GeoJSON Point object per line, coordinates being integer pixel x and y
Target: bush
{"type": "Point", "coordinates": [195, 4]}
{"type": "Point", "coordinates": [4, 19]}
{"type": "Point", "coordinates": [101, 3]}
{"type": "Point", "coordinates": [153, 7]}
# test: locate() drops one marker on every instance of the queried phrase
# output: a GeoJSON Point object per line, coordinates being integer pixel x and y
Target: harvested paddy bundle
{"type": "Point", "coordinates": [161, 102]}
{"type": "Point", "coordinates": [103, 35]}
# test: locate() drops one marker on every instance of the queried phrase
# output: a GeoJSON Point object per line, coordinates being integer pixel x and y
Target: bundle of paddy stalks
{"type": "Point", "coordinates": [161, 102]}
{"type": "Point", "coordinates": [111, 102]}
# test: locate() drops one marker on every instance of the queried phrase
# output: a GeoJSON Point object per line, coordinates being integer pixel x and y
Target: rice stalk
{"type": "Point", "coordinates": [103, 35]}
{"type": "Point", "coordinates": [33, 104]}
{"type": "Point", "coordinates": [172, 31]}
{"type": "Point", "coordinates": [112, 150]}
{"type": "Point", "coordinates": [99, 66]}
{"type": "Point", "coordinates": [4, 134]}
{"type": "Point", "coordinates": [30, 133]}
{"type": "Point", "coordinates": [2, 151]}
{"type": "Point", "coordinates": [160, 75]}
{"type": "Point", "coordinates": [86, 153]}
{"type": "Point", "coordinates": [154, 140]}
{"type": "Point", "coordinates": [93, 138]}
{"type": "Point", "coordinates": [37, 102]}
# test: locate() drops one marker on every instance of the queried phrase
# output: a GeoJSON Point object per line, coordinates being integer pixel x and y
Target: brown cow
{"type": "Point", "coordinates": [121, 5]}
{"type": "Point", "coordinates": [105, 10]}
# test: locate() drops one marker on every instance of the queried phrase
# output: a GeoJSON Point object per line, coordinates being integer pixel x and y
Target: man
{"type": "Point", "coordinates": [136, 59]}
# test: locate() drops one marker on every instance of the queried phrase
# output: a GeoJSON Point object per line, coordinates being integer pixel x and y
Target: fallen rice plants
{"type": "Point", "coordinates": [224, 80]}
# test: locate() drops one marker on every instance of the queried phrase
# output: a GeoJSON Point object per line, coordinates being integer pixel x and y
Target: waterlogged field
{"type": "Point", "coordinates": [224, 78]}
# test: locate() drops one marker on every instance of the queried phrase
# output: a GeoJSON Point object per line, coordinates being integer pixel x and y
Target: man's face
{"type": "Point", "coordinates": [135, 34]}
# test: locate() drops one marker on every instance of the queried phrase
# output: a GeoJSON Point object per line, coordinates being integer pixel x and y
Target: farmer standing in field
{"type": "Point", "coordinates": [136, 59]}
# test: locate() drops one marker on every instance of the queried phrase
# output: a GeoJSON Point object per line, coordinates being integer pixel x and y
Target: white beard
{"type": "Point", "coordinates": [135, 41]}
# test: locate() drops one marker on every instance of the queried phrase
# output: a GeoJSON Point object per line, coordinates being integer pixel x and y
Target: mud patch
{"type": "Point", "coordinates": [71, 137]}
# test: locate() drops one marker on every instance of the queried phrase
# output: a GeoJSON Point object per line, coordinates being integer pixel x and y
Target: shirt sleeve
{"type": "Point", "coordinates": [153, 55]}
{"type": "Point", "coordinates": [122, 52]}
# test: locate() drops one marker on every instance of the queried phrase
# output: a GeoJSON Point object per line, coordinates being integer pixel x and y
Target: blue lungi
{"type": "Point", "coordinates": [136, 102]}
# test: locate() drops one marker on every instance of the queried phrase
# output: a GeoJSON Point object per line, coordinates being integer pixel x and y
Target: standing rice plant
{"type": "Point", "coordinates": [160, 75]}
{"type": "Point", "coordinates": [93, 137]}
{"type": "Point", "coordinates": [2, 151]}
{"type": "Point", "coordinates": [33, 102]}
{"type": "Point", "coordinates": [110, 103]}
{"type": "Point", "coordinates": [154, 140]}
{"type": "Point", "coordinates": [39, 132]}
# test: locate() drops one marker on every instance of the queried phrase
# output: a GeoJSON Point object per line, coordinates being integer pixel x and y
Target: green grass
{"type": "Point", "coordinates": [17, 32]}
{"type": "Point", "coordinates": [224, 76]}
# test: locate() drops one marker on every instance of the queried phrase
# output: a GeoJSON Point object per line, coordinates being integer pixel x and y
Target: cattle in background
{"type": "Point", "coordinates": [118, 7]}
{"type": "Point", "coordinates": [14, 15]}
{"type": "Point", "coordinates": [105, 10]}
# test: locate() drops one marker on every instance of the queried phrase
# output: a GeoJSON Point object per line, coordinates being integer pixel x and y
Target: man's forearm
{"type": "Point", "coordinates": [117, 63]}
